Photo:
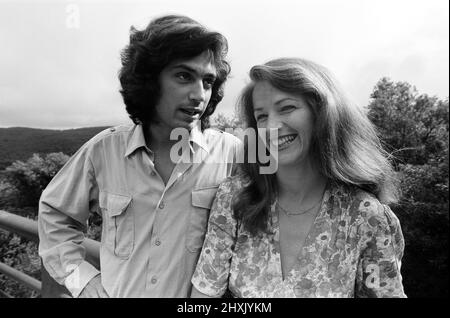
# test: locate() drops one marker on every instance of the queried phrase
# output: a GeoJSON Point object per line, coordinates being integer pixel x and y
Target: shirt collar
{"type": "Point", "coordinates": [137, 139]}
{"type": "Point", "coordinates": [197, 137]}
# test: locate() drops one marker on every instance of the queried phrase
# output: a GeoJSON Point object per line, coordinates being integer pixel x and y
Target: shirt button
{"type": "Point", "coordinates": [154, 280]}
{"type": "Point", "coordinates": [158, 243]}
{"type": "Point", "coordinates": [161, 205]}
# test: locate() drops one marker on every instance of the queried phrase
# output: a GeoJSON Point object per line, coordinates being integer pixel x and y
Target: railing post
{"type": "Point", "coordinates": [29, 229]}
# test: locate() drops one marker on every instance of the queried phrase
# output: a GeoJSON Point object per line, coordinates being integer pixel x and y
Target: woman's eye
{"type": "Point", "coordinates": [288, 108]}
{"type": "Point", "coordinates": [261, 117]}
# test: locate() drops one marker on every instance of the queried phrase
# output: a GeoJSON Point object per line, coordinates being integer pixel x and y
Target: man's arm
{"type": "Point", "coordinates": [94, 289]}
{"type": "Point", "coordinates": [64, 210]}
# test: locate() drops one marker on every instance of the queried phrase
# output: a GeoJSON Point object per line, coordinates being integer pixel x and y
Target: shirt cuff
{"type": "Point", "coordinates": [80, 277]}
{"type": "Point", "coordinates": [204, 287]}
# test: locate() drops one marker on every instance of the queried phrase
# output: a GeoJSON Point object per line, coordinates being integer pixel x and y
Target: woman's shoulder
{"type": "Point", "coordinates": [374, 223]}
{"type": "Point", "coordinates": [233, 183]}
{"type": "Point", "coordinates": [222, 215]}
{"type": "Point", "coordinates": [363, 207]}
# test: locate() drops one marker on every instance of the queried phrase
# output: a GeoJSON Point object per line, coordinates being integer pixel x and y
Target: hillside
{"type": "Point", "coordinates": [19, 143]}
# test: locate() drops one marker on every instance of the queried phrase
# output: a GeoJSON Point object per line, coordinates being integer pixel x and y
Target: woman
{"type": "Point", "coordinates": [319, 226]}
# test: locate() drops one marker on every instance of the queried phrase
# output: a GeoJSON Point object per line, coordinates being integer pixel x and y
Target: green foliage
{"type": "Point", "coordinates": [423, 214]}
{"type": "Point", "coordinates": [425, 183]}
{"type": "Point", "coordinates": [94, 231]}
{"type": "Point", "coordinates": [21, 254]}
{"type": "Point", "coordinates": [9, 195]}
{"type": "Point", "coordinates": [223, 122]}
{"type": "Point", "coordinates": [21, 185]}
{"type": "Point", "coordinates": [425, 262]}
{"type": "Point", "coordinates": [31, 177]}
{"type": "Point", "coordinates": [415, 128]}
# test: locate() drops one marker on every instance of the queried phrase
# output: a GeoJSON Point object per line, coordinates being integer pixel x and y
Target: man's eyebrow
{"type": "Point", "coordinates": [193, 70]}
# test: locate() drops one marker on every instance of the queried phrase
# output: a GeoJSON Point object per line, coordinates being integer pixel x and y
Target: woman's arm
{"type": "Point", "coordinates": [382, 244]}
{"type": "Point", "coordinates": [196, 294]}
{"type": "Point", "coordinates": [213, 267]}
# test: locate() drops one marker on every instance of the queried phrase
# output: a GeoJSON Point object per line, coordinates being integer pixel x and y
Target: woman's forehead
{"type": "Point", "coordinates": [266, 95]}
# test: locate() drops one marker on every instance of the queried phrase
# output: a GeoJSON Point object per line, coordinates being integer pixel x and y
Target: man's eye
{"type": "Point", "coordinates": [208, 83]}
{"type": "Point", "coordinates": [183, 76]}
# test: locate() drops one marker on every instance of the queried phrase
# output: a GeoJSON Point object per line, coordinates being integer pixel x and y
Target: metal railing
{"type": "Point", "coordinates": [47, 287]}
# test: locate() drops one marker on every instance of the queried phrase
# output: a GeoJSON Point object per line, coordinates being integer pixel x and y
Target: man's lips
{"type": "Point", "coordinates": [191, 111]}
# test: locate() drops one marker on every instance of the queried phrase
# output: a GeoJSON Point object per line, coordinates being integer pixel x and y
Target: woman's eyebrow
{"type": "Point", "coordinates": [285, 99]}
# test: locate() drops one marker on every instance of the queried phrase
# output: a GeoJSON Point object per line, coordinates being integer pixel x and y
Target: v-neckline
{"type": "Point", "coordinates": [276, 232]}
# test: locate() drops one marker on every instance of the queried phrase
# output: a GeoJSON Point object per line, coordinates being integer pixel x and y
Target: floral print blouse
{"type": "Point", "coordinates": [353, 249]}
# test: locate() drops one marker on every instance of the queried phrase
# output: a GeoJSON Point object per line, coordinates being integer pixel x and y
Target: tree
{"type": "Point", "coordinates": [413, 127]}
{"type": "Point", "coordinates": [222, 122]}
{"type": "Point", "coordinates": [415, 130]}
{"type": "Point", "coordinates": [29, 178]}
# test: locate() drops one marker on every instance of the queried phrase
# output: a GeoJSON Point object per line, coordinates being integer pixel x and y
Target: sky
{"type": "Point", "coordinates": [59, 59]}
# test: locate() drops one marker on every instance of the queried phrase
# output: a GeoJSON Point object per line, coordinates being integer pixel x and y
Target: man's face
{"type": "Point", "coordinates": [186, 87]}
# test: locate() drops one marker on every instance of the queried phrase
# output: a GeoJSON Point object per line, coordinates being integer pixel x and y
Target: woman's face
{"type": "Point", "coordinates": [290, 115]}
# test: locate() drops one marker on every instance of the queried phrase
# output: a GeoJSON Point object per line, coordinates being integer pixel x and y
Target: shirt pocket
{"type": "Point", "coordinates": [119, 232]}
{"type": "Point", "coordinates": [202, 199]}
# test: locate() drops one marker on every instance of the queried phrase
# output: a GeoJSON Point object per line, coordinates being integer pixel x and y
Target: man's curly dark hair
{"type": "Point", "coordinates": [164, 40]}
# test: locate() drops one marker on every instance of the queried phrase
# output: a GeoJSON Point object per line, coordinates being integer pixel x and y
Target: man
{"type": "Point", "coordinates": [154, 207]}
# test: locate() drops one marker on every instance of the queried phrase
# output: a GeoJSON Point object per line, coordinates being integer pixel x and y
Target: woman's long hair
{"type": "Point", "coordinates": [344, 144]}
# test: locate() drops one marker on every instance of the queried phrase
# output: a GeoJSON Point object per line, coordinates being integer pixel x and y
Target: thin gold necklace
{"type": "Point", "coordinates": [289, 213]}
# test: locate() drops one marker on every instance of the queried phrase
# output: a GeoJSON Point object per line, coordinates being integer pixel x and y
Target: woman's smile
{"type": "Point", "coordinates": [285, 141]}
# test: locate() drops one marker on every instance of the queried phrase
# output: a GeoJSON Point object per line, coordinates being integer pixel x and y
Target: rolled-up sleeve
{"type": "Point", "coordinates": [213, 267]}
{"type": "Point", "coordinates": [382, 246]}
{"type": "Point", "coordinates": [64, 210]}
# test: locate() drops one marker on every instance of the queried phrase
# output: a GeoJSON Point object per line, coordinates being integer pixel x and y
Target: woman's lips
{"type": "Point", "coordinates": [284, 141]}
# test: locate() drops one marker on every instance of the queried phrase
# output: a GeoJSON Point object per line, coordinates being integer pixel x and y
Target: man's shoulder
{"type": "Point", "coordinates": [109, 139]}
{"type": "Point", "coordinates": [114, 132]}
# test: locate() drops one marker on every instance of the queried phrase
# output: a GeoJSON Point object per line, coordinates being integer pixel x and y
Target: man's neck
{"type": "Point", "coordinates": [300, 181]}
{"type": "Point", "coordinates": [157, 137]}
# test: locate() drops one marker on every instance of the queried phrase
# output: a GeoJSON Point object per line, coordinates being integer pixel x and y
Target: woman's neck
{"type": "Point", "coordinates": [301, 183]}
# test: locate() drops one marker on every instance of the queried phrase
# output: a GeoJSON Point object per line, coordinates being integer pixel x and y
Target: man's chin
{"type": "Point", "coordinates": [189, 125]}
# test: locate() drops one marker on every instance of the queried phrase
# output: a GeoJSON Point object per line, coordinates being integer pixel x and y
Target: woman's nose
{"type": "Point", "coordinates": [273, 122]}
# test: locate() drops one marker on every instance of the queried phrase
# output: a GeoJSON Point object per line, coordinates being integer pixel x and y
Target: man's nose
{"type": "Point", "coordinates": [198, 92]}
